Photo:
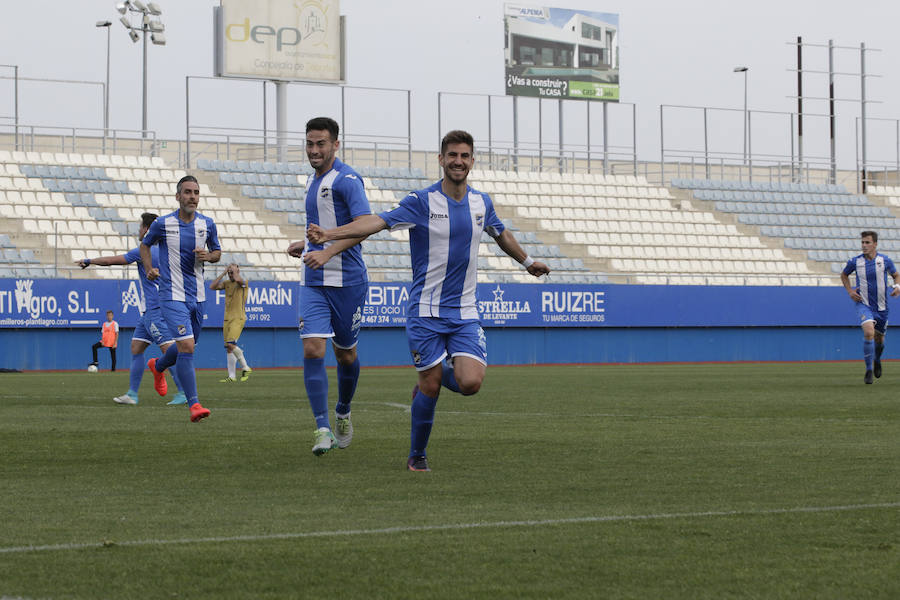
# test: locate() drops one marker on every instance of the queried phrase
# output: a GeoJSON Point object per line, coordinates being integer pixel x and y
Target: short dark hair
{"type": "Point", "coordinates": [871, 234]}
{"type": "Point", "coordinates": [148, 218]}
{"type": "Point", "coordinates": [109, 312]}
{"type": "Point", "coordinates": [183, 180]}
{"type": "Point", "coordinates": [324, 123]}
{"type": "Point", "coordinates": [457, 136]}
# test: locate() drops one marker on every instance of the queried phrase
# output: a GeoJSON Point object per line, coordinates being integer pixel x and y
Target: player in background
{"type": "Point", "coordinates": [870, 295]}
{"type": "Point", "coordinates": [151, 328]}
{"type": "Point", "coordinates": [334, 284]}
{"type": "Point", "coordinates": [235, 288]}
{"type": "Point", "coordinates": [186, 240]}
{"type": "Point", "coordinates": [445, 223]}
{"type": "Point", "coordinates": [109, 338]}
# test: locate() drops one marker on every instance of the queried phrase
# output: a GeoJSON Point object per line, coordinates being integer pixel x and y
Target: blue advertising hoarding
{"type": "Point", "coordinates": [36, 303]}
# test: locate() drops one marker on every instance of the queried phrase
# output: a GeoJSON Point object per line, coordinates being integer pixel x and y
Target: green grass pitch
{"type": "Point", "coordinates": [638, 481]}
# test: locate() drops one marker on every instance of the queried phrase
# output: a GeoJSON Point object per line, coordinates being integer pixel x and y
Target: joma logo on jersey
{"type": "Point", "coordinates": [435, 215]}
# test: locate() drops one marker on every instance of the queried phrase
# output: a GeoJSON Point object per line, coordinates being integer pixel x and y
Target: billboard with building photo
{"type": "Point", "coordinates": [561, 53]}
{"type": "Point", "coordinates": [289, 40]}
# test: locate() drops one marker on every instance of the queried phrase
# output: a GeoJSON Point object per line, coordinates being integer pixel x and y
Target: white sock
{"type": "Point", "coordinates": [232, 361]}
{"type": "Point", "coordinates": [240, 357]}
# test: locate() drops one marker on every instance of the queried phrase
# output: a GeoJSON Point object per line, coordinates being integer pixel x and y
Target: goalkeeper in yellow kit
{"type": "Point", "coordinates": [235, 288]}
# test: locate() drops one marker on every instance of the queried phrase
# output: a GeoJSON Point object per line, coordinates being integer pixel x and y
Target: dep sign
{"type": "Point", "coordinates": [286, 40]}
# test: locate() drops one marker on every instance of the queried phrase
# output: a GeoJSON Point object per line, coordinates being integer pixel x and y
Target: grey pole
{"type": "Point", "coordinates": [662, 149]}
{"type": "Point", "coordinates": [588, 130]}
{"type": "Point", "coordinates": [749, 153]}
{"type": "Point", "coordinates": [16, 102]}
{"type": "Point", "coordinates": [897, 137]}
{"type": "Point", "coordinates": [144, 94]}
{"type": "Point", "coordinates": [705, 143]}
{"type": "Point", "coordinates": [408, 131]}
{"type": "Point", "coordinates": [439, 120]}
{"type": "Point", "coordinates": [266, 124]}
{"type": "Point", "coordinates": [833, 174]}
{"type": "Point", "coordinates": [490, 137]}
{"type": "Point", "coordinates": [634, 139]}
{"type": "Point", "coordinates": [187, 122]}
{"type": "Point", "coordinates": [799, 108]}
{"type": "Point", "coordinates": [746, 120]}
{"type": "Point", "coordinates": [605, 141]}
{"type": "Point", "coordinates": [862, 105]}
{"type": "Point", "coordinates": [540, 137]}
{"type": "Point", "coordinates": [515, 133]}
{"type": "Point", "coordinates": [343, 117]}
{"type": "Point", "coordinates": [560, 103]}
{"type": "Point", "coordinates": [281, 119]}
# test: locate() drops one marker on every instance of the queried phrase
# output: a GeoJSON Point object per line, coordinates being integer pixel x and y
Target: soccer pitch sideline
{"type": "Point", "coordinates": [633, 481]}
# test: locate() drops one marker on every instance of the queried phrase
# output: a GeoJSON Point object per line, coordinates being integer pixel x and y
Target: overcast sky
{"type": "Point", "coordinates": [671, 53]}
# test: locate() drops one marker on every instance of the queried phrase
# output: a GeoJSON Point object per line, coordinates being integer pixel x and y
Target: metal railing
{"type": "Point", "coordinates": [81, 140]}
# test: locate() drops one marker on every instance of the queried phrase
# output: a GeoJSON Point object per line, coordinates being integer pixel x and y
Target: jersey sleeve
{"type": "Point", "coordinates": [354, 194]}
{"type": "Point", "coordinates": [212, 237]}
{"type": "Point", "coordinates": [154, 232]}
{"type": "Point", "coordinates": [492, 223]}
{"type": "Point", "coordinates": [891, 269]}
{"type": "Point", "coordinates": [133, 256]}
{"type": "Point", "coordinates": [411, 212]}
{"type": "Point", "coordinates": [849, 267]}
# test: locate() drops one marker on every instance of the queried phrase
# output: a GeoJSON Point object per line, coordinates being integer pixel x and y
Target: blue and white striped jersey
{"type": "Point", "coordinates": [443, 247]}
{"type": "Point", "coordinates": [872, 279]}
{"type": "Point", "coordinates": [180, 274]}
{"type": "Point", "coordinates": [149, 290]}
{"type": "Point", "coordinates": [332, 200]}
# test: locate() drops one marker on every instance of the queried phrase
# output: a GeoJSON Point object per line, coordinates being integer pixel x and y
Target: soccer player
{"type": "Point", "coordinates": [870, 296]}
{"type": "Point", "coordinates": [334, 283]}
{"type": "Point", "coordinates": [109, 338]}
{"type": "Point", "coordinates": [235, 316]}
{"type": "Point", "coordinates": [151, 328]}
{"type": "Point", "coordinates": [445, 222]}
{"type": "Point", "coordinates": [186, 240]}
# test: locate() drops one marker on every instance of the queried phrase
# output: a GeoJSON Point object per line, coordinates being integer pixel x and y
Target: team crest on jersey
{"type": "Point", "coordinates": [325, 192]}
{"type": "Point", "coordinates": [479, 220]}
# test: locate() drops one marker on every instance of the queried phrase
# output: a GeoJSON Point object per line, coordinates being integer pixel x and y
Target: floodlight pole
{"type": "Point", "coordinates": [144, 103]}
{"type": "Point", "coordinates": [281, 119]}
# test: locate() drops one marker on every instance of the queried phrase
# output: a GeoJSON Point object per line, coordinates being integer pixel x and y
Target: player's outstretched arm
{"type": "Point", "coordinates": [511, 247]}
{"type": "Point", "coordinates": [102, 261]}
{"type": "Point", "coordinates": [361, 227]}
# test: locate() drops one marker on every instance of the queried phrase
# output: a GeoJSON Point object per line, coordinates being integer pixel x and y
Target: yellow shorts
{"type": "Point", "coordinates": [232, 329]}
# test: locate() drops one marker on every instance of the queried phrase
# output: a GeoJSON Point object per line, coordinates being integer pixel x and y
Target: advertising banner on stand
{"type": "Point", "coordinates": [561, 53]}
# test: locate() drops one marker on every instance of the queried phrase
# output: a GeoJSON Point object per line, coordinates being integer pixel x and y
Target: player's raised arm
{"type": "Point", "coordinates": [102, 261]}
{"type": "Point", "coordinates": [511, 247]}
{"type": "Point", "coordinates": [361, 227]}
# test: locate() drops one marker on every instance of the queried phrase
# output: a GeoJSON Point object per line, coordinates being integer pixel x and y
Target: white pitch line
{"type": "Point", "coordinates": [449, 527]}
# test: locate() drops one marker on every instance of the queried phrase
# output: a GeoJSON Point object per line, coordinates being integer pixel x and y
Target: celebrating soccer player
{"type": "Point", "coordinates": [445, 222]}
{"type": "Point", "coordinates": [334, 283]}
{"type": "Point", "coordinates": [152, 327]}
{"type": "Point", "coordinates": [870, 295]}
{"type": "Point", "coordinates": [186, 240]}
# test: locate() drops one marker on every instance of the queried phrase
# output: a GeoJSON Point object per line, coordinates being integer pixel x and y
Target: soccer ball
{"type": "Point", "coordinates": [92, 368]}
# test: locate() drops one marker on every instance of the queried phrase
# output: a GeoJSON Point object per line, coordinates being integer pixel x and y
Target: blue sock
{"type": "Point", "coordinates": [137, 372]}
{"type": "Point", "coordinates": [879, 348]}
{"type": "Point", "coordinates": [421, 420]}
{"type": "Point", "coordinates": [316, 380]}
{"type": "Point", "coordinates": [347, 376]}
{"type": "Point", "coordinates": [448, 377]}
{"type": "Point", "coordinates": [868, 353]}
{"type": "Point", "coordinates": [168, 359]}
{"type": "Point", "coordinates": [185, 368]}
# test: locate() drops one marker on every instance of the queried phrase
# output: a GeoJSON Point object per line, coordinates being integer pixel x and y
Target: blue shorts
{"type": "Point", "coordinates": [185, 319]}
{"type": "Point", "coordinates": [432, 338]}
{"type": "Point", "coordinates": [332, 312]}
{"type": "Point", "coordinates": [867, 314]}
{"type": "Point", "coordinates": [152, 329]}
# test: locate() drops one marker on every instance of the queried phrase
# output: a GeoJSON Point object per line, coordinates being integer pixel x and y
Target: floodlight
{"type": "Point", "coordinates": [133, 35]}
{"type": "Point", "coordinates": [741, 69]}
{"type": "Point", "coordinates": [124, 21]}
{"type": "Point", "coordinates": [154, 9]}
{"type": "Point", "coordinates": [122, 7]}
{"type": "Point", "coordinates": [139, 5]}
{"type": "Point", "coordinates": [145, 20]}
{"type": "Point", "coordinates": [158, 39]}
{"type": "Point", "coordinates": [103, 24]}
{"type": "Point", "coordinates": [157, 26]}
